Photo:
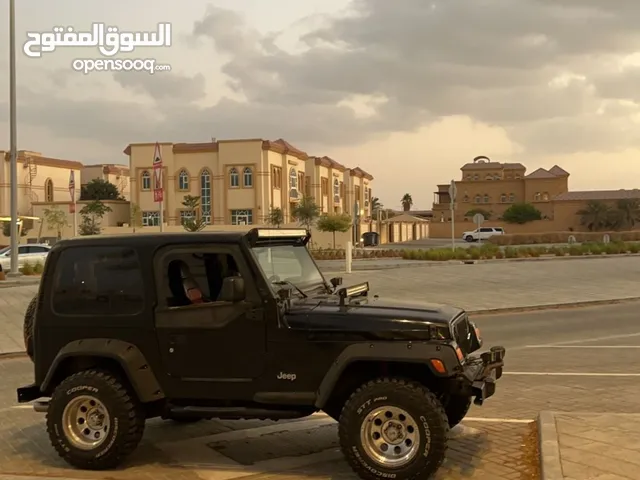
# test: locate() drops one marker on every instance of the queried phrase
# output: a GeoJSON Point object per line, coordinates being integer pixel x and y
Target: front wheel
{"type": "Point", "coordinates": [94, 421]}
{"type": "Point", "coordinates": [393, 428]}
{"type": "Point", "coordinates": [456, 408]}
{"type": "Point", "coordinates": [469, 239]}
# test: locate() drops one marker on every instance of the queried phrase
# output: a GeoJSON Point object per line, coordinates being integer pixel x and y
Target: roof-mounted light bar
{"type": "Point", "coordinates": [361, 289]}
{"type": "Point", "coordinates": [281, 232]}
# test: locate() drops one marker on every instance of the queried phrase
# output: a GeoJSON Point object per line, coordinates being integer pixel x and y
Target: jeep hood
{"type": "Point", "coordinates": [370, 316]}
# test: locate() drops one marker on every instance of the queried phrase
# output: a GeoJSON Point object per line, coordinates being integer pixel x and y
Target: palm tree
{"type": "Point", "coordinates": [407, 202]}
{"type": "Point", "coordinates": [626, 214]}
{"type": "Point", "coordinates": [595, 216]}
{"type": "Point", "coordinates": [376, 206]}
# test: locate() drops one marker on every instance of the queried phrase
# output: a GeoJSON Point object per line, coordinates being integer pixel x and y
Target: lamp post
{"type": "Point", "coordinates": [15, 231]}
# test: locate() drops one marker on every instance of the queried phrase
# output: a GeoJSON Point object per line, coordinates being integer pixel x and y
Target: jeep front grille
{"type": "Point", "coordinates": [462, 334]}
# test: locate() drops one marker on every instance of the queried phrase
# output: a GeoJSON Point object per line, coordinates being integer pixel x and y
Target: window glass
{"type": "Point", "coordinates": [37, 249]}
{"type": "Point", "coordinates": [98, 281]}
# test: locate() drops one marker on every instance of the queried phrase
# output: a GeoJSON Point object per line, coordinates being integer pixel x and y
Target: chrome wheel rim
{"type": "Point", "coordinates": [390, 436]}
{"type": "Point", "coordinates": [86, 422]}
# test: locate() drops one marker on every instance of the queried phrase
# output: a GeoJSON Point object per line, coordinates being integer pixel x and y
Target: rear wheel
{"type": "Point", "coordinates": [94, 421]}
{"type": "Point", "coordinates": [392, 428]}
{"type": "Point", "coordinates": [27, 326]}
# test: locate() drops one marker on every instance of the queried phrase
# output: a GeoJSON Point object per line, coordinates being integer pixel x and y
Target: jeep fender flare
{"type": "Point", "coordinates": [128, 356]}
{"type": "Point", "coordinates": [408, 352]}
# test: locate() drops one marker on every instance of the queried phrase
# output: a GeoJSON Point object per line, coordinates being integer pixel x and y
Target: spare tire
{"type": "Point", "coordinates": [27, 329]}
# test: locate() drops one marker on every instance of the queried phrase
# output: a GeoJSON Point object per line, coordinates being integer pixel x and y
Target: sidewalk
{"type": "Point", "coordinates": [589, 446]}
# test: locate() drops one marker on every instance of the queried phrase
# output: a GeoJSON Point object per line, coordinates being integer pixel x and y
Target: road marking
{"type": "Point", "coordinates": [584, 346]}
{"type": "Point", "coordinates": [593, 339]}
{"type": "Point", "coordinates": [573, 374]}
{"type": "Point", "coordinates": [497, 420]}
{"type": "Point", "coordinates": [23, 407]}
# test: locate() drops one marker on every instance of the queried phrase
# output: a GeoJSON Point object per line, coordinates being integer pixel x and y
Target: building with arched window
{"type": "Point", "coordinates": [242, 181]}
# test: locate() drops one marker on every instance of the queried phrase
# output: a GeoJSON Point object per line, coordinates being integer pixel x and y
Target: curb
{"type": "Point", "coordinates": [431, 263]}
{"type": "Point", "coordinates": [553, 306]}
{"type": "Point", "coordinates": [550, 465]}
{"type": "Point", "coordinates": [12, 355]}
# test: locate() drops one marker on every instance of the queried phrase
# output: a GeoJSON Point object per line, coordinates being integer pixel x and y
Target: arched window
{"type": "Point", "coordinates": [545, 196]}
{"type": "Point", "coordinates": [183, 180]}
{"type": "Point", "coordinates": [293, 179]}
{"type": "Point", "coordinates": [503, 198]}
{"type": "Point", "coordinates": [476, 177]}
{"type": "Point", "coordinates": [48, 190]}
{"type": "Point", "coordinates": [477, 199]}
{"type": "Point", "coordinates": [205, 196]}
{"type": "Point", "coordinates": [537, 196]}
{"type": "Point", "coordinates": [466, 198]}
{"type": "Point", "coordinates": [488, 177]}
{"type": "Point", "coordinates": [247, 175]}
{"type": "Point", "coordinates": [512, 198]}
{"type": "Point", "coordinates": [336, 187]}
{"type": "Point", "coordinates": [486, 198]}
{"type": "Point", "coordinates": [234, 178]}
{"type": "Point", "coordinates": [146, 180]}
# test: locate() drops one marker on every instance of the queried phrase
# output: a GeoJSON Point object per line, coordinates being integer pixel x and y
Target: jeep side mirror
{"type": "Point", "coordinates": [336, 281]}
{"type": "Point", "coordinates": [233, 290]}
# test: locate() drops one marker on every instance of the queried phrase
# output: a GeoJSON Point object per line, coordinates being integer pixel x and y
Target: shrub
{"type": "Point", "coordinates": [510, 252]}
{"type": "Point", "coordinates": [499, 254]}
{"type": "Point", "coordinates": [38, 268]}
{"type": "Point", "coordinates": [575, 250]}
{"type": "Point", "coordinates": [634, 248]}
{"type": "Point", "coordinates": [27, 269]}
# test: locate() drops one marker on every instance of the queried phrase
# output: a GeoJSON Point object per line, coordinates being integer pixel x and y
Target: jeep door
{"type": "Point", "coordinates": [210, 347]}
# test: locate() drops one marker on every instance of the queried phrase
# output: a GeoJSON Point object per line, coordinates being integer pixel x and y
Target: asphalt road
{"type": "Point", "coordinates": [571, 360]}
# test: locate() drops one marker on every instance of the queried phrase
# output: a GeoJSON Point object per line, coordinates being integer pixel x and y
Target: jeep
{"type": "Point", "coordinates": [194, 326]}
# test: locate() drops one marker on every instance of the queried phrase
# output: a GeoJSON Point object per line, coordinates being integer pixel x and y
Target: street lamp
{"type": "Point", "coordinates": [15, 232]}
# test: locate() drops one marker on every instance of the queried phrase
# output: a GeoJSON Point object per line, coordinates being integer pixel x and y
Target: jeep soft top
{"type": "Point", "coordinates": [234, 325]}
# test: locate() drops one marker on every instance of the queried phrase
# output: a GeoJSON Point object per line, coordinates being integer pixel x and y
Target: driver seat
{"type": "Point", "coordinates": [183, 284]}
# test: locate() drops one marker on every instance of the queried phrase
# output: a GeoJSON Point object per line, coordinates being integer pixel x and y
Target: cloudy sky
{"type": "Point", "coordinates": [409, 89]}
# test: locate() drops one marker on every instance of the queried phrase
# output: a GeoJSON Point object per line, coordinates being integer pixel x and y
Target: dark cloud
{"type": "Point", "coordinates": [496, 61]}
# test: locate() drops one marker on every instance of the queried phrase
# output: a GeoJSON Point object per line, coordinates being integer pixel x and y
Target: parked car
{"type": "Point", "coordinates": [239, 325]}
{"type": "Point", "coordinates": [31, 253]}
{"type": "Point", "coordinates": [482, 233]}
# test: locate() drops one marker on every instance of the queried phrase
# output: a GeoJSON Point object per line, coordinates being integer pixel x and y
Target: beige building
{"type": "Point", "coordinates": [494, 186]}
{"type": "Point", "coordinates": [240, 181]}
{"type": "Point", "coordinates": [118, 175]}
{"type": "Point", "coordinates": [40, 179]}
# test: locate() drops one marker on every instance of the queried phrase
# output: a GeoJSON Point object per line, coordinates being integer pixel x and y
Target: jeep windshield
{"type": "Point", "coordinates": [288, 263]}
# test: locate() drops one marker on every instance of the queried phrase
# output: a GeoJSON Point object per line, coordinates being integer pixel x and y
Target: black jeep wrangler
{"type": "Point", "coordinates": [242, 325]}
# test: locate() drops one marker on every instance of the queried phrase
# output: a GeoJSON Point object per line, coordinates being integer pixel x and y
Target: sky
{"type": "Point", "coordinates": [408, 90]}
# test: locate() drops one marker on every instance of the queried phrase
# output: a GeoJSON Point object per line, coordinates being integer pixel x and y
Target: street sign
{"type": "Point", "coordinates": [453, 191]}
{"type": "Point", "coordinates": [478, 219]}
{"type": "Point", "coordinates": [158, 191]}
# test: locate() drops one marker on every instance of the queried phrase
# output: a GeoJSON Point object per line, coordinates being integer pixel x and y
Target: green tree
{"type": "Point", "coordinates": [626, 214]}
{"type": "Point", "coordinates": [521, 213]}
{"type": "Point", "coordinates": [407, 202]}
{"type": "Point", "coordinates": [100, 189]}
{"type": "Point", "coordinates": [135, 216]}
{"type": "Point", "coordinates": [192, 223]}
{"type": "Point", "coordinates": [56, 219]}
{"type": "Point", "coordinates": [596, 215]}
{"type": "Point", "coordinates": [6, 230]}
{"type": "Point", "coordinates": [473, 211]}
{"type": "Point", "coordinates": [276, 217]}
{"type": "Point", "coordinates": [92, 214]}
{"type": "Point", "coordinates": [306, 212]}
{"type": "Point", "coordinates": [340, 222]}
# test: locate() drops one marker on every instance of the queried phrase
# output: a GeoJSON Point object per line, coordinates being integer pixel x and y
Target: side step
{"type": "Point", "coordinates": [236, 413]}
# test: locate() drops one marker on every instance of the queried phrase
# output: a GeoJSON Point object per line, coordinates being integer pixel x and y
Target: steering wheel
{"type": "Point", "coordinates": [274, 278]}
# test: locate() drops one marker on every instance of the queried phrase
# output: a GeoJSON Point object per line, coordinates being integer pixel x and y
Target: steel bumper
{"type": "Point", "coordinates": [482, 373]}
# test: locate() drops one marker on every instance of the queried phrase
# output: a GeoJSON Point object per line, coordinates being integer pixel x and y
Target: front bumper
{"type": "Point", "coordinates": [482, 372]}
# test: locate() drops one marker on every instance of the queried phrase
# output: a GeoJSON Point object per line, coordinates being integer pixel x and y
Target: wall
{"type": "Point", "coordinates": [34, 172]}
{"type": "Point", "coordinates": [443, 229]}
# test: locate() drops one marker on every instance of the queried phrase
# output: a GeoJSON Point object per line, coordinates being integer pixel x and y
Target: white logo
{"type": "Point", "coordinates": [109, 40]}
{"type": "Point", "coordinates": [287, 376]}
{"type": "Point", "coordinates": [88, 65]}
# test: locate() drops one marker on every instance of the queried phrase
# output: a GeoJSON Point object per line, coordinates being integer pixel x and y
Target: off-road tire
{"type": "Point", "coordinates": [456, 408]}
{"type": "Point", "coordinates": [28, 325]}
{"type": "Point", "coordinates": [125, 430]}
{"type": "Point", "coordinates": [416, 400]}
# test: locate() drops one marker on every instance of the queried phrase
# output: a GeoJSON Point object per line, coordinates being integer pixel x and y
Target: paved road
{"type": "Point", "coordinates": [551, 365]}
